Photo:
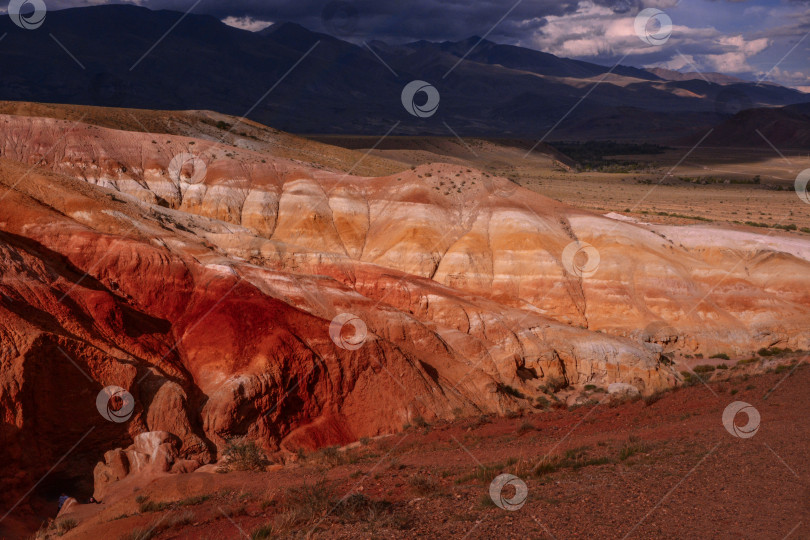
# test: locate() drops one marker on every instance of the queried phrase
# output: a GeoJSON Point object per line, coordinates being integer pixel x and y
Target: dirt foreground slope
{"type": "Point", "coordinates": [636, 469]}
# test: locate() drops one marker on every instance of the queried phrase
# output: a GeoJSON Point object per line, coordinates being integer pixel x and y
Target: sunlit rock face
{"type": "Point", "coordinates": [210, 296]}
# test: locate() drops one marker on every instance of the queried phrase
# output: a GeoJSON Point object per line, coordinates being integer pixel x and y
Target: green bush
{"type": "Point", "coordinates": [525, 427]}
{"type": "Point", "coordinates": [543, 402]}
{"type": "Point", "coordinates": [555, 384]}
{"type": "Point", "coordinates": [242, 454]}
{"type": "Point", "coordinates": [703, 369]}
{"type": "Point", "coordinates": [632, 447]}
{"type": "Point", "coordinates": [510, 391]}
{"type": "Point", "coordinates": [423, 484]}
{"type": "Point", "coordinates": [773, 351]}
{"type": "Point", "coordinates": [654, 397]}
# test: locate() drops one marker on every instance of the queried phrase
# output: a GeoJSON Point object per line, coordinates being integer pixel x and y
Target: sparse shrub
{"type": "Point", "coordinates": [557, 403]}
{"type": "Point", "coordinates": [546, 466]}
{"type": "Point", "coordinates": [483, 473]}
{"type": "Point", "coordinates": [574, 458]}
{"type": "Point", "coordinates": [423, 484]}
{"type": "Point", "coordinates": [576, 453]}
{"type": "Point", "coordinates": [525, 427]}
{"type": "Point", "coordinates": [333, 456]}
{"type": "Point", "coordinates": [301, 507]}
{"type": "Point", "coordinates": [721, 356]}
{"type": "Point", "coordinates": [482, 420]}
{"type": "Point", "coordinates": [703, 369]}
{"type": "Point", "coordinates": [153, 506]}
{"type": "Point", "coordinates": [773, 351]}
{"type": "Point", "coordinates": [242, 455]}
{"type": "Point", "coordinates": [586, 403]}
{"type": "Point", "coordinates": [142, 533]}
{"type": "Point", "coordinates": [193, 501]}
{"type": "Point", "coordinates": [590, 387]}
{"type": "Point", "coordinates": [234, 511]}
{"type": "Point", "coordinates": [543, 402]}
{"type": "Point", "coordinates": [632, 447]}
{"type": "Point", "coordinates": [555, 384]}
{"type": "Point", "coordinates": [510, 391]}
{"type": "Point", "coordinates": [178, 521]}
{"type": "Point", "coordinates": [653, 398]}
{"type": "Point", "coordinates": [359, 507]}
{"type": "Point", "coordinates": [617, 400]}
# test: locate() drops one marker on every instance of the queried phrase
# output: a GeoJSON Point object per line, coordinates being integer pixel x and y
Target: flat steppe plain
{"type": "Point", "coordinates": [714, 184]}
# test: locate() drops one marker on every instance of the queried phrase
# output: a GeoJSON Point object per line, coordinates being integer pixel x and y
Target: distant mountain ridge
{"type": "Point", "coordinates": [717, 78]}
{"type": "Point", "coordinates": [341, 87]}
{"type": "Point", "coordinates": [784, 127]}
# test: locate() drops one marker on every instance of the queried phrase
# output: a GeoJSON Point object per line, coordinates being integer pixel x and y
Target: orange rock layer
{"type": "Point", "coordinates": [209, 297]}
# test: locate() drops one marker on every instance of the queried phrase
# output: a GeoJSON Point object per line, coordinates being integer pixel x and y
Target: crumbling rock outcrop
{"type": "Point", "coordinates": [151, 454]}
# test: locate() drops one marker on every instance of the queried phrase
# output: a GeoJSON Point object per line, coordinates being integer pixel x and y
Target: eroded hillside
{"type": "Point", "coordinates": [234, 293]}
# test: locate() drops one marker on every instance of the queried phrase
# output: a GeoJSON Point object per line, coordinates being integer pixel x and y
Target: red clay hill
{"type": "Point", "coordinates": [240, 293]}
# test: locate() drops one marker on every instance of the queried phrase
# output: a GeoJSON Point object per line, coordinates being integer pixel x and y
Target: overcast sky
{"type": "Point", "coordinates": [749, 38]}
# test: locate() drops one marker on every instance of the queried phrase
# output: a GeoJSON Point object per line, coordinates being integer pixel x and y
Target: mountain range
{"type": "Point", "coordinates": [117, 55]}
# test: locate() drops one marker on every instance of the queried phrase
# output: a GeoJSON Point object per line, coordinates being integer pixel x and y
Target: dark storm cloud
{"type": "Point", "coordinates": [394, 20]}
